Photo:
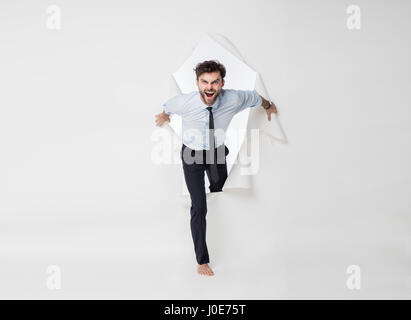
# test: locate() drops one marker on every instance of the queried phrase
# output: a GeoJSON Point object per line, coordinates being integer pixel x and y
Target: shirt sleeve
{"type": "Point", "coordinates": [174, 105]}
{"type": "Point", "coordinates": [248, 99]}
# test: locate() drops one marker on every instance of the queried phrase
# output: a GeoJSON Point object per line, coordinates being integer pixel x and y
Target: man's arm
{"type": "Point", "coordinates": [174, 105]}
{"type": "Point", "coordinates": [269, 109]}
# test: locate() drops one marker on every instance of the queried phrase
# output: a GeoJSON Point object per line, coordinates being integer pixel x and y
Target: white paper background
{"type": "Point", "coordinates": [78, 188]}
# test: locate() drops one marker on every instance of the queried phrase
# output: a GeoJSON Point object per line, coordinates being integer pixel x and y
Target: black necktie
{"type": "Point", "coordinates": [213, 154]}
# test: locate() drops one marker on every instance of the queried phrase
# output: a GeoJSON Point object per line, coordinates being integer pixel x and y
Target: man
{"type": "Point", "coordinates": [205, 113]}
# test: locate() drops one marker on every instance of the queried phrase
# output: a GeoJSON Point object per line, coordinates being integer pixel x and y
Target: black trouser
{"type": "Point", "coordinates": [194, 177]}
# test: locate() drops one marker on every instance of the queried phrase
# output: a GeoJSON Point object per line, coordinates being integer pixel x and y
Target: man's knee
{"type": "Point", "coordinates": [218, 186]}
{"type": "Point", "coordinates": [199, 206]}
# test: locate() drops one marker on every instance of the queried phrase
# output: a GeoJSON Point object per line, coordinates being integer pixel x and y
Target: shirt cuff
{"type": "Point", "coordinates": [259, 100]}
{"type": "Point", "coordinates": [165, 109]}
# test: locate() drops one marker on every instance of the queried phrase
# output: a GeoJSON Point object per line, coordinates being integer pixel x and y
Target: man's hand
{"type": "Point", "coordinates": [161, 118]}
{"type": "Point", "coordinates": [272, 109]}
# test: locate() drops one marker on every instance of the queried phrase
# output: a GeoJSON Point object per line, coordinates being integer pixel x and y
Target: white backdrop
{"type": "Point", "coordinates": [78, 189]}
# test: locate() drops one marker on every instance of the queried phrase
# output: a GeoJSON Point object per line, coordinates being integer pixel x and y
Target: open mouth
{"type": "Point", "coordinates": [209, 94]}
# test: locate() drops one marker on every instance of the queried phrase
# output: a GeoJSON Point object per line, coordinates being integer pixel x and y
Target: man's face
{"type": "Point", "coordinates": [210, 84]}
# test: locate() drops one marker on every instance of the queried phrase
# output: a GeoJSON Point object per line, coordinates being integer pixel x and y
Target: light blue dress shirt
{"type": "Point", "coordinates": [195, 116]}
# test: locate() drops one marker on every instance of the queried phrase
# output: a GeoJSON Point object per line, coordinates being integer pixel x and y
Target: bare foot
{"type": "Point", "coordinates": [204, 269]}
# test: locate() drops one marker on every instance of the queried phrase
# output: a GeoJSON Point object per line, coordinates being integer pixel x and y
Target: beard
{"type": "Point", "coordinates": [210, 99]}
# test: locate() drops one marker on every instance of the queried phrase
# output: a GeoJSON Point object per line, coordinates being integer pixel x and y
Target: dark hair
{"type": "Point", "coordinates": [209, 66]}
